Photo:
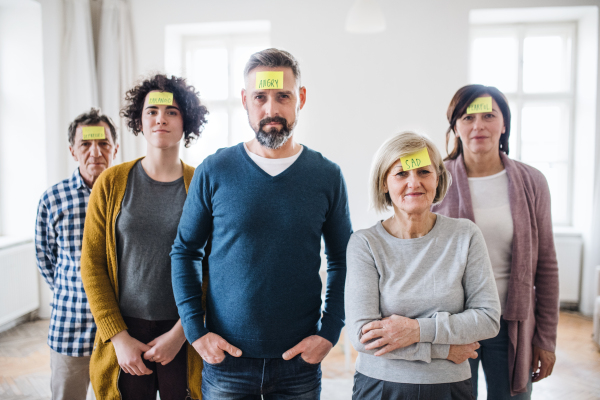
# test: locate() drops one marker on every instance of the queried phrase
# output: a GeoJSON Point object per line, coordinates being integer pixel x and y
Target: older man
{"type": "Point", "coordinates": [58, 236]}
{"type": "Point", "coordinates": [265, 204]}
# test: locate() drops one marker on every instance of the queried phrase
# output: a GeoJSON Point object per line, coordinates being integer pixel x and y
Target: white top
{"type": "Point", "coordinates": [491, 207]}
{"type": "Point", "coordinates": [273, 166]}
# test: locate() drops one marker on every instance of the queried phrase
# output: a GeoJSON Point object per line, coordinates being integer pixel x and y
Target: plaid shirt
{"type": "Point", "coordinates": [58, 238]}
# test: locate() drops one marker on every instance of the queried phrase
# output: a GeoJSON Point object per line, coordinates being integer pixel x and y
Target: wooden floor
{"type": "Point", "coordinates": [25, 365]}
{"type": "Point", "coordinates": [576, 374]}
{"type": "Point", "coordinates": [25, 362]}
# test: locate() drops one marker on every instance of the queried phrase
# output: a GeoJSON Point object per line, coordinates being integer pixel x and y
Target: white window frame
{"type": "Point", "coordinates": [519, 98]}
{"type": "Point", "coordinates": [178, 38]}
{"type": "Point", "coordinates": [229, 42]}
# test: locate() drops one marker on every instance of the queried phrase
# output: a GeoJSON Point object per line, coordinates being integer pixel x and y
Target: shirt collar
{"type": "Point", "coordinates": [77, 181]}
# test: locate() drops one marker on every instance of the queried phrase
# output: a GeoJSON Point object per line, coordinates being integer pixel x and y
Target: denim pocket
{"type": "Point", "coordinates": [306, 363]}
{"type": "Point", "coordinates": [219, 363]}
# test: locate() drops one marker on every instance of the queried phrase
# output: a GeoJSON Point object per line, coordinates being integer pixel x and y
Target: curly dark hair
{"type": "Point", "coordinates": [193, 113]}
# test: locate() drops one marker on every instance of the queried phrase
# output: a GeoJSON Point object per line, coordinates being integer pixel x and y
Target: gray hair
{"type": "Point", "coordinates": [392, 150]}
{"type": "Point", "coordinates": [273, 58]}
{"type": "Point", "coordinates": [92, 117]}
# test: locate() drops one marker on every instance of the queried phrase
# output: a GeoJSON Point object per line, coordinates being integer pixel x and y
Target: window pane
{"type": "Point", "coordinates": [208, 71]}
{"type": "Point", "coordinates": [240, 58]}
{"type": "Point", "coordinates": [544, 133]}
{"type": "Point", "coordinates": [494, 62]}
{"type": "Point", "coordinates": [545, 146]}
{"type": "Point", "coordinates": [213, 138]}
{"type": "Point", "coordinates": [240, 127]}
{"type": "Point", "coordinates": [557, 175]}
{"type": "Point", "coordinates": [546, 64]}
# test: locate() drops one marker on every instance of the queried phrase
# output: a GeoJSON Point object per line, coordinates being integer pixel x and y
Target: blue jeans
{"type": "Point", "coordinates": [249, 378]}
{"type": "Point", "coordinates": [493, 355]}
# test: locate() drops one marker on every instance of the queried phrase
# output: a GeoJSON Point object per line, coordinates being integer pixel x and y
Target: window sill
{"type": "Point", "coordinates": [12, 241]}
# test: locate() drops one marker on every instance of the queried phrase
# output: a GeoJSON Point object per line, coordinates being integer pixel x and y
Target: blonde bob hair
{"type": "Point", "coordinates": [401, 145]}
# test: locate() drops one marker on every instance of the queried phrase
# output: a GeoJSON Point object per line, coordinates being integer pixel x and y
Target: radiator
{"type": "Point", "coordinates": [19, 285]}
{"type": "Point", "coordinates": [569, 256]}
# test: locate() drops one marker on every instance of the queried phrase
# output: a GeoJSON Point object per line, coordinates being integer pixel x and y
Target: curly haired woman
{"type": "Point", "coordinates": [131, 223]}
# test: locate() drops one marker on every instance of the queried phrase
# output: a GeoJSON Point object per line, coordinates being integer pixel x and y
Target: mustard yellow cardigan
{"type": "Point", "coordinates": [100, 281]}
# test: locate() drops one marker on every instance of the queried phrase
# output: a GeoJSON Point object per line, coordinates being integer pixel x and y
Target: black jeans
{"type": "Point", "coordinates": [366, 388]}
{"type": "Point", "coordinates": [170, 380]}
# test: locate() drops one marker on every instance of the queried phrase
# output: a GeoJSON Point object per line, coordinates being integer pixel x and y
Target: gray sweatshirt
{"type": "Point", "coordinates": [443, 279]}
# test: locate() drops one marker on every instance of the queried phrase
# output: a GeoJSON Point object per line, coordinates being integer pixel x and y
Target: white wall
{"type": "Point", "coordinates": [22, 133]}
{"type": "Point", "coordinates": [361, 88]}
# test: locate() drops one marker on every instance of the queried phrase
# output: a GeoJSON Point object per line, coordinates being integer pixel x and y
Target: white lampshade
{"type": "Point", "coordinates": [365, 16]}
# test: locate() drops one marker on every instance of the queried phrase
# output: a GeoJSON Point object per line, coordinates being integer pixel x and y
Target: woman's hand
{"type": "Point", "coordinates": [129, 353]}
{"type": "Point", "coordinates": [459, 353]}
{"type": "Point", "coordinates": [543, 363]}
{"type": "Point", "coordinates": [390, 333]}
{"type": "Point", "coordinates": [165, 347]}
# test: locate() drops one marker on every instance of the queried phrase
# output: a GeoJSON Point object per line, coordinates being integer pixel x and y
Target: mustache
{"type": "Point", "coordinates": [268, 120]}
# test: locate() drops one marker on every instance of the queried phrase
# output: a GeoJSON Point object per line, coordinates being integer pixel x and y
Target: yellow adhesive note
{"type": "Point", "coordinates": [160, 98]}
{"type": "Point", "coordinates": [93, 132]}
{"type": "Point", "coordinates": [269, 80]}
{"type": "Point", "coordinates": [416, 160]}
{"type": "Point", "coordinates": [480, 105]}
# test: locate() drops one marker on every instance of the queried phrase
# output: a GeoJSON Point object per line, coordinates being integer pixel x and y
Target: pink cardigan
{"type": "Point", "coordinates": [532, 302]}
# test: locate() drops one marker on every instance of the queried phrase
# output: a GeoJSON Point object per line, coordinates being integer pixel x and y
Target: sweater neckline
{"type": "Point", "coordinates": [428, 235]}
{"type": "Point", "coordinates": [244, 154]}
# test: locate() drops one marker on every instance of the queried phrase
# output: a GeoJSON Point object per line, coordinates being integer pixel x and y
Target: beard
{"type": "Point", "coordinates": [274, 138]}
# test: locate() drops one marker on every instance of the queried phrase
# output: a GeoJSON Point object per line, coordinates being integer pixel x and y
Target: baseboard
{"type": "Point", "coordinates": [31, 316]}
{"type": "Point", "coordinates": [569, 306]}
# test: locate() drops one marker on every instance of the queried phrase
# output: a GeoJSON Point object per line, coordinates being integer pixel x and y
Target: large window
{"type": "Point", "coordinates": [214, 64]}
{"type": "Point", "coordinates": [533, 65]}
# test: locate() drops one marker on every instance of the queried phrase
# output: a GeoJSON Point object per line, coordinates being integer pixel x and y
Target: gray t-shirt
{"type": "Point", "coordinates": [146, 229]}
{"type": "Point", "coordinates": [443, 279]}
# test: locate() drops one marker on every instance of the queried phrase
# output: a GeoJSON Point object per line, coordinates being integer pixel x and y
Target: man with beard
{"type": "Point", "coordinates": [265, 205]}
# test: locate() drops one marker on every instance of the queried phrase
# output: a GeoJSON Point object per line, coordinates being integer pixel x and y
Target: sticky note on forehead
{"type": "Point", "coordinates": [269, 80]}
{"type": "Point", "coordinates": [93, 132]}
{"type": "Point", "coordinates": [480, 105]}
{"type": "Point", "coordinates": [416, 160]}
{"type": "Point", "coordinates": [160, 98]}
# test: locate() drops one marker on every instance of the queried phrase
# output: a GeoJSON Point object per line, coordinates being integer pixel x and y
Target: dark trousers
{"type": "Point", "coordinates": [170, 380]}
{"type": "Point", "coordinates": [250, 378]}
{"type": "Point", "coordinates": [493, 355]}
{"type": "Point", "coordinates": [367, 388]}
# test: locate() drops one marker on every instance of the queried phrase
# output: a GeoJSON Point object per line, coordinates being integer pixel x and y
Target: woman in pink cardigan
{"type": "Point", "coordinates": [510, 202]}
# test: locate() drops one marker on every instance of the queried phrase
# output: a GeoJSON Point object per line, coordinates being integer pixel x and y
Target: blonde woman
{"type": "Point", "coordinates": [419, 288]}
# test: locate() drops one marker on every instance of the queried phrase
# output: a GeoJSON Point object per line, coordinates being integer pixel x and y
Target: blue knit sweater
{"type": "Point", "coordinates": [264, 289]}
